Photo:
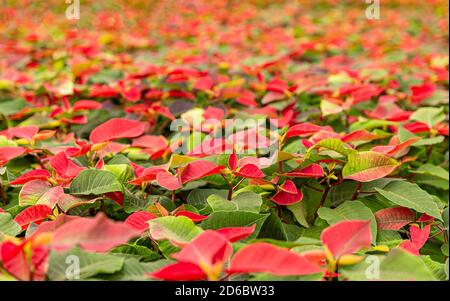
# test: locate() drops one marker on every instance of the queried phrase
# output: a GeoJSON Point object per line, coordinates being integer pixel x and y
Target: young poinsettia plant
{"type": "Point", "coordinates": [196, 146]}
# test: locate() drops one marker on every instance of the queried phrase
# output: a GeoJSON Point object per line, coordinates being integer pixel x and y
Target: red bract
{"type": "Point", "coordinates": [288, 194]}
{"type": "Point", "coordinates": [38, 174]}
{"type": "Point", "coordinates": [394, 218]}
{"type": "Point", "coordinates": [266, 258]}
{"type": "Point", "coordinates": [419, 93]}
{"type": "Point", "coordinates": [151, 144]}
{"type": "Point", "coordinates": [168, 181]}
{"type": "Point", "coordinates": [250, 171]}
{"type": "Point", "coordinates": [230, 135]}
{"type": "Point", "coordinates": [234, 234]}
{"type": "Point", "coordinates": [197, 170]}
{"type": "Point", "coordinates": [64, 167]}
{"type": "Point", "coordinates": [396, 149]}
{"type": "Point", "coordinates": [419, 237]}
{"type": "Point", "coordinates": [311, 171]}
{"type": "Point", "coordinates": [10, 152]}
{"type": "Point", "coordinates": [27, 260]}
{"type": "Point", "coordinates": [139, 220]}
{"type": "Point", "coordinates": [26, 132]}
{"type": "Point", "coordinates": [192, 216]}
{"type": "Point", "coordinates": [148, 174]}
{"type": "Point", "coordinates": [303, 129]}
{"type": "Point", "coordinates": [86, 105]}
{"type": "Point", "coordinates": [116, 128]}
{"type": "Point", "coordinates": [346, 237]}
{"type": "Point", "coordinates": [203, 258]}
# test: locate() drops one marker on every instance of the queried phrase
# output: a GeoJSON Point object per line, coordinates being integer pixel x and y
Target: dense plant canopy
{"type": "Point", "coordinates": [224, 140]}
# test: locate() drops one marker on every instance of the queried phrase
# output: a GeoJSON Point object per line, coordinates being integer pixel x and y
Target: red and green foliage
{"type": "Point", "coordinates": [351, 168]}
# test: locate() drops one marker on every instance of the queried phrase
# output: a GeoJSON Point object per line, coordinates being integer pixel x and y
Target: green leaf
{"type": "Point", "coordinates": [135, 201]}
{"type": "Point", "coordinates": [245, 201]}
{"type": "Point", "coordinates": [62, 264]}
{"type": "Point", "coordinates": [134, 270]}
{"type": "Point", "coordinates": [198, 197]}
{"type": "Point", "coordinates": [222, 219]}
{"type": "Point", "coordinates": [398, 265]}
{"type": "Point", "coordinates": [368, 166]}
{"type": "Point", "coordinates": [300, 213]}
{"type": "Point", "coordinates": [142, 252]}
{"type": "Point", "coordinates": [123, 172]}
{"type": "Point", "coordinates": [273, 228]}
{"type": "Point", "coordinates": [179, 230]}
{"type": "Point", "coordinates": [410, 195]}
{"type": "Point", "coordinates": [350, 210]}
{"type": "Point", "coordinates": [430, 116]}
{"type": "Point", "coordinates": [94, 181]}
{"type": "Point", "coordinates": [436, 268]}
{"type": "Point", "coordinates": [429, 141]}
{"type": "Point", "coordinates": [12, 106]}
{"type": "Point", "coordinates": [8, 226]}
{"type": "Point", "coordinates": [370, 124]}
{"type": "Point", "coordinates": [332, 144]}
{"type": "Point", "coordinates": [432, 175]}
{"type": "Point", "coordinates": [445, 217]}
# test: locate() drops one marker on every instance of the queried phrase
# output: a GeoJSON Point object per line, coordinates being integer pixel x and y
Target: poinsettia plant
{"type": "Point", "coordinates": [230, 141]}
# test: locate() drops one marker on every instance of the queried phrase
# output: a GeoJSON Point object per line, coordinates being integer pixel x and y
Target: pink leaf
{"type": "Point", "coordinates": [98, 234]}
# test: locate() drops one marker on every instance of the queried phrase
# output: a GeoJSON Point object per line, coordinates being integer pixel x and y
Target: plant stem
{"type": "Point", "coordinates": [3, 196]}
{"type": "Point", "coordinates": [230, 187]}
{"type": "Point", "coordinates": [357, 191]}
{"type": "Point", "coordinates": [238, 183]}
{"type": "Point", "coordinates": [102, 206]}
{"type": "Point", "coordinates": [322, 201]}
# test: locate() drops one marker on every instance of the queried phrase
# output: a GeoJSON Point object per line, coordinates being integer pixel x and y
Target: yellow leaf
{"type": "Point", "coordinates": [349, 259]}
